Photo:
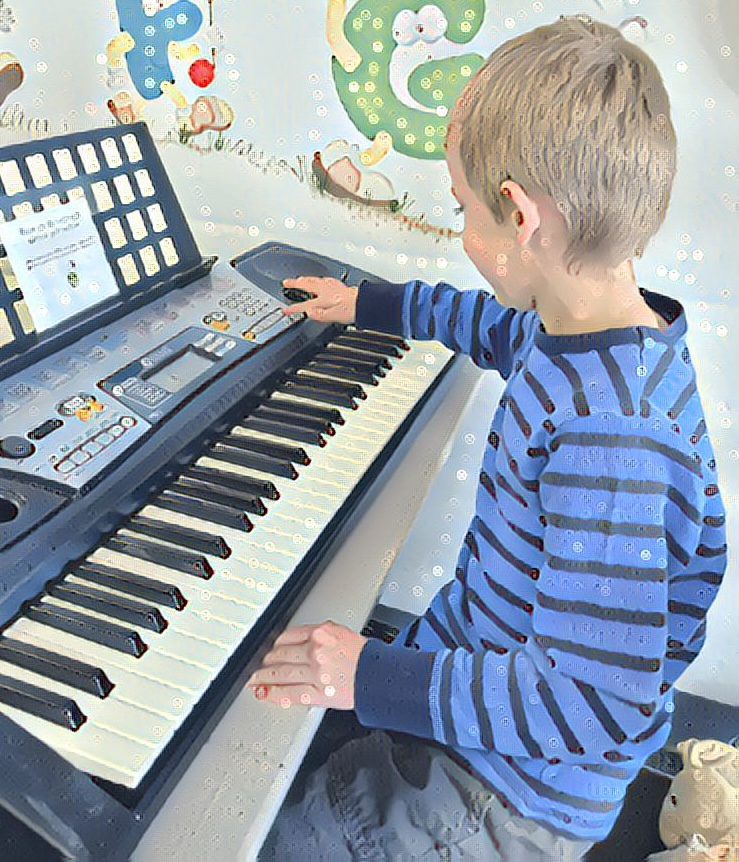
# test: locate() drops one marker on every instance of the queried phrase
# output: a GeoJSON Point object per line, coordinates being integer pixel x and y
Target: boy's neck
{"type": "Point", "coordinates": [573, 305]}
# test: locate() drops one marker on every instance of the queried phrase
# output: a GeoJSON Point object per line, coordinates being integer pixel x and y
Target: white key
{"type": "Point", "coordinates": [94, 750]}
{"type": "Point", "coordinates": [97, 748]}
{"type": "Point", "coordinates": [158, 696]}
{"type": "Point", "coordinates": [137, 723]}
{"type": "Point", "coordinates": [231, 598]}
{"type": "Point", "coordinates": [179, 673]}
{"type": "Point", "coordinates": [207, 652]}
{"type": "Point", "coordinates": [210, 622]}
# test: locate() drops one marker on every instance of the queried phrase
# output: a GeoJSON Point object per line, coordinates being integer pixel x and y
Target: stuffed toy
{"type": "Point", "coordinates": [699, 820]}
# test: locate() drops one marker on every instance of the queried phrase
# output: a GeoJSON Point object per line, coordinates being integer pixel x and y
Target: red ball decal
{"type": "Point", "coordinates": [202, 72]}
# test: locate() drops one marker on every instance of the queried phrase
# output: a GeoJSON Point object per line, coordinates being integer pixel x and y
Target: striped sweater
{"type": "Point", "coordinates": [581, 588]}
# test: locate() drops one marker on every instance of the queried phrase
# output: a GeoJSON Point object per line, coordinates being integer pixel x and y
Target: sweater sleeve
{"type": "Point", "coordinates": [472, 322]}
{"type": "Point", "coordinates": [592, 674]}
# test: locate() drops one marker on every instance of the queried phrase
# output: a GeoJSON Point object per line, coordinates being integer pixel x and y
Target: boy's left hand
{"type": "Point", "coordinates": [313, 665]}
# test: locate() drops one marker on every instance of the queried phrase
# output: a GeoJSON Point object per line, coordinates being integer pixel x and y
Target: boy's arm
{"type": "Point", "coordinates": [469, 321]}
{"type": "Point", "coordinates": [466, 321]}
{"type": "Point", "coordinates": [617, 503]}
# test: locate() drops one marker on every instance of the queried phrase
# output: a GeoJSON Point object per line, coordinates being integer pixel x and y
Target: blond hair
{"type": "Point", "coordinates": [576, 112]}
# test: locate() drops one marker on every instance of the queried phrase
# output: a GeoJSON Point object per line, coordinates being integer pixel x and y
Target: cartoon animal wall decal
{"type": "Point", "coordinates": [11, 74]}
{"type": "Point", "coordinates": [397, 71]}
{"type": "Point", "coordinates": [153, 38]}
{"type": "Point", "coordinates": [145, 39]}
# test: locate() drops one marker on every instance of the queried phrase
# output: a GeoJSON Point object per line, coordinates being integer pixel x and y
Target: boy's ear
{"type": "Point", "coordinates": [453, 133]}
{"type": "Point", "coordinates": [526, 215]}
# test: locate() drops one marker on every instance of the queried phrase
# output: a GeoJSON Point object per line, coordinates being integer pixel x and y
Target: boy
{"type": "Point", "coordinates": [527, 697]}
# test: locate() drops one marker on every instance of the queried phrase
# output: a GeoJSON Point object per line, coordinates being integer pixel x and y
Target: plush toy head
{"type": "Point", "coordinates": [704, 797]}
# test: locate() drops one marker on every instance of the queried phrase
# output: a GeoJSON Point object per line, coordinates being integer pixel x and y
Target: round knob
{"type": "Point", "coordinates": [16, 447]}
{"type": "Point", "coordinates": [8, 510]}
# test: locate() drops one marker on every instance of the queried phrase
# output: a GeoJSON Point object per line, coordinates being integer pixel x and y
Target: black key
{"type": "Point", "coordinates": [389, 337]}
{"type": "Point", "coordinates": [296, 454]}
{"type": "Point", "coordinates": [170, 558]}
{"type": "Point", "coordinates": [37, 701]}
{"type": "Point", "coordinates": [285, 413]}
{"type": "Point", "coordinates": [122, 609]}
{"type": "Point", "coordinates": [352, 359]}
{"type": "Point", "coordinates": [355, 354]}
{"type": "Point", "coordinates": [185, 537]}
{"type": "Point", "coordinates": [142, 586]}
{"type": "Point", "coordinates": [329, 396]}
{"type": "Point", "coordinates": [305, 408]}
{"type": "Point", "coordinates": [343, 372]}
{"type": "Point", "coordinates": [400, 340]}
{"type": "Point", "coordinates": [281, 426]}
{"type": "Point", "coordinates": [237, 481]}
{"type": "Point", "coordinates": [380, 338]}
{"type": "Point", "coordinates": [356, 342]}
{"type": "Point", "coordinates": [98, 631]}
{"type": "Point", "coordinates": [352, 389]}
{"type": "Point", "coordinates": [219, 495]}
{"type": "Point", "coordinates": [208, 510]}
{"type": "Point", "coordinates": [68, 671]}
{"type": "Point", "coordinates": [253, 460]}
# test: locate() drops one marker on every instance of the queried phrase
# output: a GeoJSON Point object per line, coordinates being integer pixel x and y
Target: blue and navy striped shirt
{"type": "Point", "coordinates": [581, 588]}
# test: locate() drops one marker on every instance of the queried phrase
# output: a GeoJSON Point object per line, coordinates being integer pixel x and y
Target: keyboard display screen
{"type": "Point", "coordinates": [181, 371]}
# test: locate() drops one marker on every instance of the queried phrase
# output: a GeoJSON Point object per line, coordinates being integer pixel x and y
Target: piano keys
{"type": "Point", "coordinates": [224, 804]}
{"type": "Point", "coordinates": [160, 607]}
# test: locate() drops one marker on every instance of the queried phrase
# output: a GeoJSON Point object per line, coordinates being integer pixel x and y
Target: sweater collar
{"type": "Point", "coordinates": [670, 309]}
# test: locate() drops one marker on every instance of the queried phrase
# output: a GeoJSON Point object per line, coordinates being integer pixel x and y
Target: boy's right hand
{"type": "Point", "coordinates": [332, 302]}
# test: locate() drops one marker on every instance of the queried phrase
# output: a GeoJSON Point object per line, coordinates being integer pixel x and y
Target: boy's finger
{"type": "Point", "coordinates": [282, 673]}
{"type": "Point", "coordinates": [295, 634]}
{"type": "Point", "coordinates": [312, 283]}
{"type": "Point", "coordinates": [316, 285]}
{"type": "Point", "coordinates": [296, 308]}
{"type": "Point", "coordinates": [290, 695]}
{"type": "Point", "coordinates": [313, 308]}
